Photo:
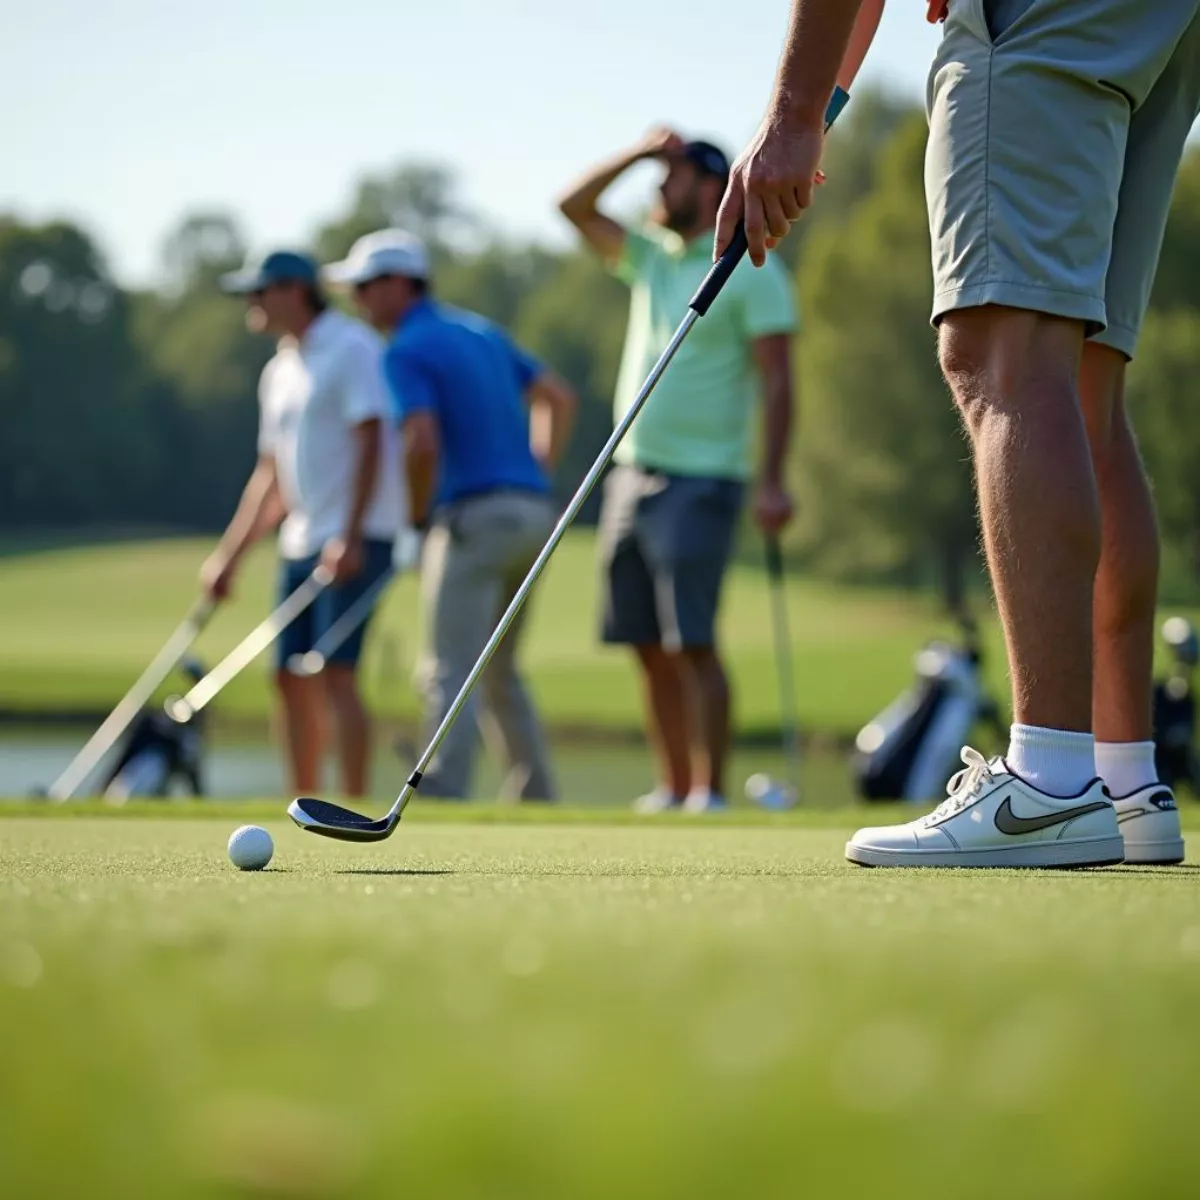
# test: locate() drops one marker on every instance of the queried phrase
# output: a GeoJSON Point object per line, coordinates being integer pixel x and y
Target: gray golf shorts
{"type": "Point", "coordinates": [665, 541]}
{"type": "Point", "coordinates": [1056, 128]}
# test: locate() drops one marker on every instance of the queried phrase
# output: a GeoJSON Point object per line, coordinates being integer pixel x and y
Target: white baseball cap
{"type": "Point", "coordinates": [386, 252]}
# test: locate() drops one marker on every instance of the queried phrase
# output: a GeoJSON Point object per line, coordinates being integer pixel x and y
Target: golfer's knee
{"type": "Point", "coordinates": [655, 658]}
{"type": "Point", "coordinates": [290, 687]}
{"type": "Point", "coordinates": [1101, 395]}
{"type": "Point", "coordinates": [341, 685]}
{"type": "Point", "coordinates": [1001, 359]}
{"type": "Point", "coordinates": [704, 664]}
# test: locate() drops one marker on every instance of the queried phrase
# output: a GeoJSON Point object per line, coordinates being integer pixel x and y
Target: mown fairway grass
{"type": "Point", "coordinates": [571, 1004]}
{"type": "Point", "coordinates": [78, 625]}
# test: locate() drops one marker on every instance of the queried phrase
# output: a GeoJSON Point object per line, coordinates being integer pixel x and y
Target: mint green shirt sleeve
{"type": "Point", "coordinates": [637, 251]}
{"type": "Point", "coordinates": [768, 300]}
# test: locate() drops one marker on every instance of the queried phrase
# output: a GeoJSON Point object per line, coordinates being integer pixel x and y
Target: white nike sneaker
{"type": "Point", "coordinates": [1149, 821]}
{"type": "Point", "coordinates": [994, 819]}
{"type": "Point", "coordinates": [702, 800]}
{"type": "Point", "coordinates": [657, 801]}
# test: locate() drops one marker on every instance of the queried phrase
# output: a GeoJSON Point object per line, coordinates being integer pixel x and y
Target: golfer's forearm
{"type": "Point", "coordinates": [421, 470]}
{"type": "Point", "coordinates": [552, 408]}
{"type": "Point", "coordinates": [260, 500]}
{"type": "Point", "coordinates": [580, 201]}
{"type": "Point", "coordinates": [777, 428]}
{"type": "Point", "coordinates": [367, 438]}
{"type": "Point", "coordinates": [861, 38]}
{"type": "Point", "coordinates": [818, 38]}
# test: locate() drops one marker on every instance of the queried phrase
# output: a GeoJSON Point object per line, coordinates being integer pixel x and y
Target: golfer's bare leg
{"type": "Point", "coordinates": [352, 727]}
{"type": "Point", "coordinates": [1127, 581]}
{"type": "Point", "coordinates": [1014, 376]}
{"type": "Point", "coordinates": [302, 727]}
{"type": "Point", "coordinates": [667, 716]}
{"type": "Point", "coordinates": [710, 740]}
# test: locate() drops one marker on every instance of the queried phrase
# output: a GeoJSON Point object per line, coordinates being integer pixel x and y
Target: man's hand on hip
{"type": "Point", "coordinates": [773, 507]}
{"type": "Point", "coordinates": [770, 185]}
{"type": "Point", "coordinates": [342, 558]}
{"type": "Point", "coordinates": [406, 550]}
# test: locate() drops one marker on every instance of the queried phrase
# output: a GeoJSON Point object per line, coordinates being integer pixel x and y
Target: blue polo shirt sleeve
{"type": "Point", "coordinates": [527, 368]}
{"type": "Point", "coordinates": [409, 381]}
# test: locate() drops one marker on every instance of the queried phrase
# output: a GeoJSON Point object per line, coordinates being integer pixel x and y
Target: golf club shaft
{"type": "Point", "coordinates": [242, 655]}
{"type": "Point", "coordinates": [117, 721]}
{"type": "Point", "coordinates": [564, 523]}
{"type": "Point", "coordinates": [335, 636]}
{"type": "Point", "coordinates": [718, 275]}
{"type": "Point", "coordinates": [783, 660]}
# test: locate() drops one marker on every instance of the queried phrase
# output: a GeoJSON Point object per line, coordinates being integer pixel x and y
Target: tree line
{"type": "Point", "coordinates": [137, 408]}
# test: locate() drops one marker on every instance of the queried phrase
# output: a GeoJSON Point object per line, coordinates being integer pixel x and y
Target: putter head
{"type": "Point", "coordinates": [179, 710]}
{"type": "Point", "coordinates": [334, 821]}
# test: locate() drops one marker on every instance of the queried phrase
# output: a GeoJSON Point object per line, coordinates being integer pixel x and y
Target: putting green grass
{"type": "Point", "coordinates": [78, 625]}
{"type": "Point", "coordinates": [538, 1005]}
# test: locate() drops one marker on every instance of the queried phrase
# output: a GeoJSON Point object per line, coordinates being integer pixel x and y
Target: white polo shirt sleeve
{"type": "Point", "coordinates": [268, 418]}
{"type": "Point", "coordinates": [363, 391]}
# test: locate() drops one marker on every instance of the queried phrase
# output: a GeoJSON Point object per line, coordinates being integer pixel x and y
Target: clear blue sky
{"type": "Point", "coordinates": [126, 115]}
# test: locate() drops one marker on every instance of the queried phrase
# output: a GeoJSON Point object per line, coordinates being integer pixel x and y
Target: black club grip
{"type": "Point", "coordinates": [719, 273]}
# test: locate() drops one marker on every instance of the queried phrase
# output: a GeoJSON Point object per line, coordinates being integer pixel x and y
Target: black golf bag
{"type": "Point", "coordinates": [157, 752]}
{"type": "Point", "coordinates": [912, 748]}
{"type": "Point", "coordinates": [1175, 709]}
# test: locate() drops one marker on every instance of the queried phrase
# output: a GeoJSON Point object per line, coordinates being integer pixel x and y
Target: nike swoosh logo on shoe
{"type": "Point", "coordinates": [1130, 813]}
{"type": "Point", "coordinates": [1008, 822]}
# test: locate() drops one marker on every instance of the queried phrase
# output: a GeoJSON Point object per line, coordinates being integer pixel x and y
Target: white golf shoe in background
{"type": "Point", "coordinates": [994, 819]}
{"type": "Point", "coordinates": [1149, 822]}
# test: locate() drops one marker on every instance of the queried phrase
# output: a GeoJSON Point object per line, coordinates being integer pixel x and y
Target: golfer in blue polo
{"type": "Point", "coordinates": [484, 425]}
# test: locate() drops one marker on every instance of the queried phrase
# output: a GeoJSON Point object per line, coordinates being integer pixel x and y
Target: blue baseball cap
{"type": "Point", "coordinates": [280, 266]}
{"type": "Point", "coordinates": [706, 158]}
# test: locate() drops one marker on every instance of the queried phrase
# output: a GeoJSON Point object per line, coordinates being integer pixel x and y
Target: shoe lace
{"type": "Point", "coordinates": [965, 785]}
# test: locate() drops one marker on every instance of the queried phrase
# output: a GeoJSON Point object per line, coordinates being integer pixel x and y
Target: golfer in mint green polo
{"type": "Point", "coordinates": [693, 457]}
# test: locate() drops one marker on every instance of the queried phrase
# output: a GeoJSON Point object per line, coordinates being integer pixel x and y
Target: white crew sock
{"type": "Point", "coordinates": [1055, 761]}
{"type": "Point", "coordinates": [1126, 767]}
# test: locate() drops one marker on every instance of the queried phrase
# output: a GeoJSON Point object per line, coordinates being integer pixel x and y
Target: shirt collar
{"type": "Point", "coordinates": [318, 329]}
{"type": "Point", "coordinates": [700, 245]}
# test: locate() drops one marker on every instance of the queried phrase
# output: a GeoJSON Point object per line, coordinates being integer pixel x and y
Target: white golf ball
{"type": "Point", "coordinates": [757, 786]}
{"type": "Point", "coordinates": [766, 793]}
{"type": "Point", "coordinates": [250, 848]}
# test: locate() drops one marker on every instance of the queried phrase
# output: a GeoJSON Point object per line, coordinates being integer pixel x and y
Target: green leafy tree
{"type": "Point", "coordinates": [1162, 399]}
{"type": "Point", "coordinates": [74, 445]}
{"type": "Point", "coordinates": [419, 197]}
{"type": "Point", "coordinates": [199, 371]}
{"type": "Point", "coordinates": [882, 468]}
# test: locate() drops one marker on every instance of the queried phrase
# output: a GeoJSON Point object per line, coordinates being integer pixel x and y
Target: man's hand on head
{"type": "Point", "coordinates": [662, 142]}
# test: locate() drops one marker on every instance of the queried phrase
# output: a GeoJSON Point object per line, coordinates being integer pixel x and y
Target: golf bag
{"type": "Point", "coordinates": [157, 751]}
{"type": "Point", "coordinates": [912, 748]}
{"type": "Point", "coordinates": [1175, 709]}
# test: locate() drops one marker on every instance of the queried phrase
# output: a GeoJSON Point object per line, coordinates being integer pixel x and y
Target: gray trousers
{"type": "Point", "coordinates": [476, 556]}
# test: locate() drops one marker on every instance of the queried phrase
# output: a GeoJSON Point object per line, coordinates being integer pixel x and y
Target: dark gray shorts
{"type": "Point", "coordinates": [665, 542]}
